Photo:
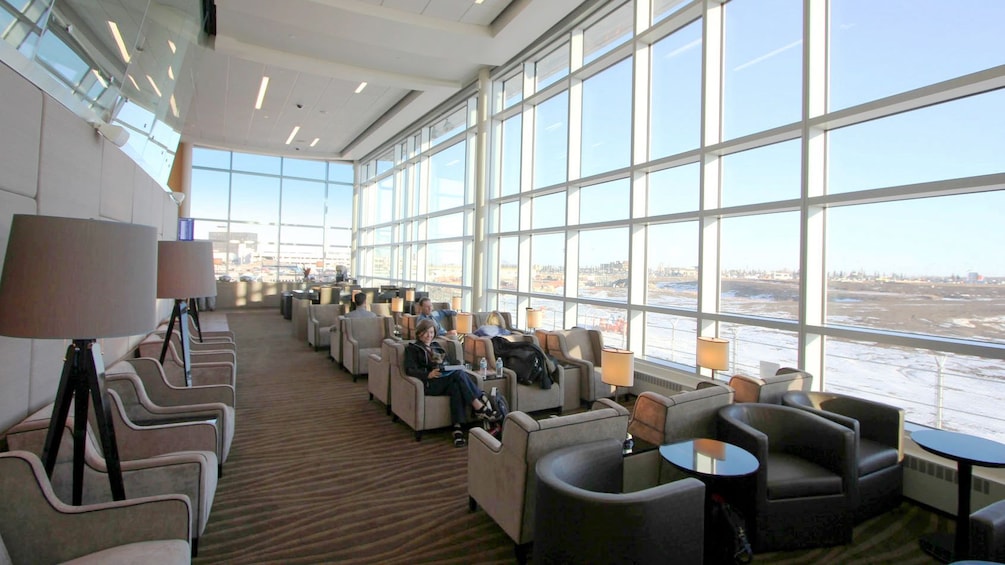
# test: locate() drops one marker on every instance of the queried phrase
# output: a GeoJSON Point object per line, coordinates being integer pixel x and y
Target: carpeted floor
{"type": "Point", "coordinates": [320, 474]}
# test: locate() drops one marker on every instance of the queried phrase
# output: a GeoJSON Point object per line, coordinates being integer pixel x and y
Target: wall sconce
{"type": "Point", "coordinates": [713, 353]}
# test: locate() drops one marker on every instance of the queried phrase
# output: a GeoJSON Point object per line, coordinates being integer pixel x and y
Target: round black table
{"type": "Point", "coordinates": [711, 461]}
{"type": "Point", "coordinates": [967, 451]}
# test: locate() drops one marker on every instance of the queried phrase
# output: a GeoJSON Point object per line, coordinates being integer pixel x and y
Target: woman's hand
{"type": "Point", "coordinates": [434, 374]}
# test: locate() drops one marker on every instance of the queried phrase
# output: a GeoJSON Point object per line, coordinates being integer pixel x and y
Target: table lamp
{"type": "Point", "coordinates": [534, 318]}
{"type": "Point", "coordinates": [410, 295]}
{"type": "Point", "coordinates": [463, 322]}
{"type": "Point", "coordinates": [76, 279]}
{"type": "Point", "coordinates": [455, 303]}
{"type": "Point", "coordinates": [713, 353]}
{"type": "Point", "coordinates": [397, 304]}
{"type": "Point", "coordinates": [618, 368]}
{"type": "Point", "coordinates": [184, 270]}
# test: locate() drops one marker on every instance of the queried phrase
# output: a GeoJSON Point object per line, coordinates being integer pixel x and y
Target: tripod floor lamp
{"type": "Point", "coordinates": [67, 278]}
{"type": "Point", "coordinates": [184, 271]}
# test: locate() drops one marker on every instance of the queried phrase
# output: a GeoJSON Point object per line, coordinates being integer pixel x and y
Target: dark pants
{"type": "Point", "coordinates": [461, 390]}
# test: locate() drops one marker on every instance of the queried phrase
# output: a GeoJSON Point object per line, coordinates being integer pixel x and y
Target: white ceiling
{"type": "Point", "coordinates": [413, 54]}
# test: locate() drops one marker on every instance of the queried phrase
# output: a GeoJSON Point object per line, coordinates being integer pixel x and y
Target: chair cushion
{"type": "Point", "coordinates": [159, 551]}
{"type": "Point", "coordinates": [873, 456]}
{"type": "Point", "coordinates": [790, 476]}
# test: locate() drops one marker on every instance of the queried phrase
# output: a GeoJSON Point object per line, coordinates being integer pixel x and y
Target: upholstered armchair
{"type": "Point", "coordinates": [806, 484]}
{"type": "Point", "coordinates": [298, 317]}
{"type": "Point", "coordinates": [583, 517]}
{"type": "Point", "coordinates": [879, 429]}
{"type": "Point", "coordinates": [162, 393]}
{"type": "Point", "coordinates": [582, 348]}
{"type": "Point", "coordinates": [132, 408]}
{"type": "Point", "coordinates": [360, 338]}
{"type": "Point", "coordinates": [769, 389]}
{"type": "Point", "coordinates": [37, 527]}
{"type": "Point", "coordinates": [572, 374]}
{"type": "Point", "coordinates": [335, 339]}
{"type": "Point", "coordinates": [378, 383]}
{"type": "Point", "coordinates": [190, 473]}
{"type": "Point", "coordinates": [501, 476]}
{"type": "Point", "coordinates": [320, 319]}
{"type": "Point", "coordinates": [987, 533]}
{"type": "Point", "coordinates": [207, 368]}
{"type": "Point", "coordinates": [526, 398]}
{"type": "Point", "coordinates": [659, 419]}
{"type": "Point", "coordinates": [503, 320]}
{"type": "Point", "coordinates": [382, 309]}
{"type": "Point", "coordinates": [409, 402]}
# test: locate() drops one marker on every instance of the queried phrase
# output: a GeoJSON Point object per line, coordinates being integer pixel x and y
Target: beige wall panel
{"type": "Point", "coordinates": [70, 166]}
{"type": "Point", "coordinates": [19, 144]}
{"type": "Point", "coordinates": [118, 173]}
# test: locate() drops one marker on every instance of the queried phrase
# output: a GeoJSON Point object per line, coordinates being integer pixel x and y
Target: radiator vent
{"type": "Point", "coordinates": [662, 385]}
{"type": "Point", "coordinates": [944, 473]}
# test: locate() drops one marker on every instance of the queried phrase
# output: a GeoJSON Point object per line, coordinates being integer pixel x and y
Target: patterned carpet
{"type": "Point", "coordinates": [319, 474]}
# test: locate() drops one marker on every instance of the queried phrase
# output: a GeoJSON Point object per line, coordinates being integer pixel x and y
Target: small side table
{"type": "Point", "coordinates": [967, 451]}
{"type": "Point", "coordinates": [711, 461]}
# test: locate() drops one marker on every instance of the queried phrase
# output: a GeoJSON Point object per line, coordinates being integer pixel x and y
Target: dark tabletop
{"type": "Point", "coordinates": [710, 457]}
{"type": "Point", "coordinates": [961, 447]}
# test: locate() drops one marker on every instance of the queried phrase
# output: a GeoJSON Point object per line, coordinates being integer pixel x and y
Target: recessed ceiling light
{"type": "Point", "coordinates": [315, 142]}
{"type": "Point", "coordinates": [479, 1]}
{"type": "Point", "coordinates": [118, 40]}
{"type": "Point", "coordinates": [261, 92]}
{"type": "Point", "coordinates": [361, 86]}
{"type": "Point", "coordinates": [172, 46]}
{"type": "Point", "coordinates": [293, 134]}
{"type": "Point", "coordinates": [150, 79]}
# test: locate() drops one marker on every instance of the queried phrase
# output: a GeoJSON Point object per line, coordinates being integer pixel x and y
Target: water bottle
{"type": "Point", "coordinates": [483, 365]}
{"type": "Point", "coordinates": [499, 367]}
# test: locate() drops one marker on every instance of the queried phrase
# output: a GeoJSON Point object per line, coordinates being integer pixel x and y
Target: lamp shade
{"type": "Point", "coordinates": [534, 318]}
{"type": "Point", "coordinates": [397, 304]}
{"type": "Point", "coordinates": [455, 303]}
{"type": "Point", "coordinates": [410, 294]}
{"type": "Point", "coordinates": [185, 269]}
{"type": "Point", "coordinates": [70, 278]}
{"type": "Point", "coordinates": [618, 367]}
{"type": "Point", "coordinates": [713, 353]}
{"type": "Point", "coordinates": [463, 322]}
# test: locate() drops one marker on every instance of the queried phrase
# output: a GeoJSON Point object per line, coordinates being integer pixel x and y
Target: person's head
{"type": "Point", "coordinates": [425, 305]}
{"type": "Point", "coordinates": [359, 300]}
{"type": "Point", "coordinates": [425, 331]}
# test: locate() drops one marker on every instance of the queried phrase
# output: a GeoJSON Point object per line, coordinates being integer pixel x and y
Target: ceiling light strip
{"type": "Point", "coordinates": [118, 40]}
{"type": "Point", "coordinates": [261, 92]}
{"type": "Point", "coordinates": [293, 134]}
{"type": "Point", "coordinates": [361, 86]}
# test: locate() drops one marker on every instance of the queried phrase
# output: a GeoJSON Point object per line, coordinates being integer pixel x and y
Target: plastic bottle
{"type": "Point", "coordinates": [499, 367]}
{"type": "Point", "coordinates": [483, 365]}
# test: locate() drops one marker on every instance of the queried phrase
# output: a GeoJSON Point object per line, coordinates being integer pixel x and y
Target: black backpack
{"type": "Point", "coordinates": [527, 360]}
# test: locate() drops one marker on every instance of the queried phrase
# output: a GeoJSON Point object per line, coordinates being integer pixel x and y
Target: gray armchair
{"type": "Point", "coordinates": [583, 517]}
{"type": "Point", "coordinates": [360, 338]}
{"type": "Point", "coordinates": [879, 429]}
{"type": "Point", "coordinates": [581, 348]}
{"type": "Point", "coordinates": [37, 527]}
{"type": "Point", "coordinates": [503, 320]}
{"type": "Point", "coordinates": [806, 484]}
{"type": "Point", "coordinates": [189, 473]}
{"type": "Point", "coordinates": [771, 388]}
{"type": "Point", "coordinates": [987, 533]}
{"type": "Point", "coordinates": [659, 419]}
{"type": "Point", "coordinates": [320, 319]}
{"type": "Point", "coordinates": [378, 383]}
{"type": "Point", "coordinates": [523, 397]}
{"type": "Point", "coordinates": [501, 476]}
{"type": "Point", "coordinates": [208, 368]}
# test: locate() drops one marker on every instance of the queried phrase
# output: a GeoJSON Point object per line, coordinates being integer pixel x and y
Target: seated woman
{"type": "Point", "coordinates": [424, 361]}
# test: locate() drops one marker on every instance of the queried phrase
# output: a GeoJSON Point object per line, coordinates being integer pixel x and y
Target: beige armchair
{"type": "Point", "coordinates": [163, 393]}
{"type": "Point", "coordinates": [526, 398]}
{"type": "Point", "coordinates": [659, 419]}
{"type": "Point", "coordinates": [37, 527]}
{"type": "Point", "coordinates": [769, 390]}
{"type": "Point", "coordinates": [409, 402]}
{"type": "Point", "coordinates": [361, 337]}
{"type": "Point", "coordinates": [320, 319]}
{"type": "Point", "coordinates": [189, 473]}
{"type": "Point", "coordinates": [572, 374]}
{"type": "Point", "coordinates": [582, 348]}
{"type": "Point", "coordinates": [335, 339]}
{"type": "Point", "coordinates": [501, 476]}
{"type": "Point", "coordinates": [495, 318]}
{"type": "Point", "coordinates": [378, 383]}
{"type": "Point", "coordinates": [207, 368]}
{"type": "Point", "coordinates": [132, 407]}
{"type": "Point", "coordinates": [298, 318]}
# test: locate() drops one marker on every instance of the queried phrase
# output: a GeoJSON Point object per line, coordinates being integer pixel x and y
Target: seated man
{"type": "Point", "coordinates": [426, 312]}
{"type": "Point", "coordinates": [361, 309]}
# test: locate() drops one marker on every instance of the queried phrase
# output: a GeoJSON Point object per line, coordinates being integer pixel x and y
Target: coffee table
{"type": "Point", "coordinates": [967, 451]}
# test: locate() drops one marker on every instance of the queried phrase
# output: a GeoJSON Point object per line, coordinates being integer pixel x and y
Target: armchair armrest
{"type": "Point", "coordinates": [141, 442]}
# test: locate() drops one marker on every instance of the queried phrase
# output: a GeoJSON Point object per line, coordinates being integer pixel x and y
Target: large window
{"type": "Point", "coordinates": [821, 189]}
{"type": "Point", "coordinates": [271, 217]}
